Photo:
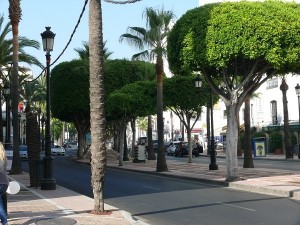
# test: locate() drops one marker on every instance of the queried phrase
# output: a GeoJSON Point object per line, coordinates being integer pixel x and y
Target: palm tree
{"type": "Point", "coordinates": [286, 130]}
{"type": "Point", "coordinates": [15, 13]}
{"type": "Point", "coordinates": [15, 16]}
{"type": "Point", "coordinates": [152, 43]}
{"type": "Point", "coordinates": [84, 53]}
{"type": "Point", "coordinates": [6, 56]}
{"type": "Point", "coordinates": [98, 149]}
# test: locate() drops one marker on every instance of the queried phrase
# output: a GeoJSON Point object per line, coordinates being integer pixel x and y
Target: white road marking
{"type": "Point", "coordinates": [222, 203]}
{"type": "Point", "coordinates": [153, 188]}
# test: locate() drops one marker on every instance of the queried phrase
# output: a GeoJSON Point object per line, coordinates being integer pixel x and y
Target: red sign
{"type": "Point", "coordinates": [197, 130]}
{"type": "Point", "coordinates": [21, 106]}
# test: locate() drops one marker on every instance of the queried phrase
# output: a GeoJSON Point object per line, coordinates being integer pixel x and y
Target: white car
{"type": "Point", "coordinates": [57, 150]}
{"type": "Point", "coordinates": [23, 151]}
{"type": "Point", "coordinates": [171, 148]}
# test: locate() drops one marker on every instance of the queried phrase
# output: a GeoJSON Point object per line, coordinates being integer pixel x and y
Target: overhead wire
{"type": "Point", "coordinates": [68, 43]}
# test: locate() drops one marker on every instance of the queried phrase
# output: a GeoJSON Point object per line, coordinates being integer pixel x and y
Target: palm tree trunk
{"type": "Point", "coordinates": [15, 16]}
{"type": "Point", "coordinates": [161, 165]}
{"type": "Point", "coordinates": [248, 159]}
{"type": "Point", "coordinates": [32, 132]}
{"type": "Point", "coordinates": [98, 148]}
{"type": "Point", "coordinates": [286, 130]}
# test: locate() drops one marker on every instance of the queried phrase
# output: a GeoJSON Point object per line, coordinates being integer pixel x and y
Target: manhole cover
{"type": "Point", "coordinates": [52, 221]}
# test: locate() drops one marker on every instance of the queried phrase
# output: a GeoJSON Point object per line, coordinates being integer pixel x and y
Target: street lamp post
{"type": "Point", "coordinates": [20, 140]}
{"type": "Point", "coordinates": [43, 122]}
{"type": "Point", "coordinates": [6, 92]}
{"type": "Point", "coordinates": [213, 161]}
{"type": "Point", "coordinates": [39, 111]}
{"type": "Point", "coordinates": [297, 88]}
{"type": "Point", "coordinates": [48, 182]}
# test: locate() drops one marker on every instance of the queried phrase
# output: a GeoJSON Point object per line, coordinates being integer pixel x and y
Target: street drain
{"type": "Point", "coordinates": [60, 221]}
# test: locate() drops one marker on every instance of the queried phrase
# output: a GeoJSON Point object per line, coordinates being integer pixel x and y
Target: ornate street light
{"type": "Point", "coordinates": [48, 182]}
{"type": "Point", "coordinates": [6, 93]}
{"type": "Point", "coordinates": [213, 161]}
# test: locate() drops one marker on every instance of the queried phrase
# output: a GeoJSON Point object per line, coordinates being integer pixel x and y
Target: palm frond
{"type": "Point", "coordinates": [141, 55]}
{"type": "Point", "coordinates": [133, 40]}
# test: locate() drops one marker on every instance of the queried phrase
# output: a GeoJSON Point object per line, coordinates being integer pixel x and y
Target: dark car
{"type": "Point", "coordinates": [183, 149]}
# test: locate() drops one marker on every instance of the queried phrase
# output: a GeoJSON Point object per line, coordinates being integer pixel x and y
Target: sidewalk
{"type": "Point", "coordinates": [63, 206]}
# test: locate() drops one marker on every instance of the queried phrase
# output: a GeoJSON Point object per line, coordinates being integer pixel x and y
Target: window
{"type": "Point", "coordinates": [272, 83]}
{"type": "Point", "coordinates": [274, 112]}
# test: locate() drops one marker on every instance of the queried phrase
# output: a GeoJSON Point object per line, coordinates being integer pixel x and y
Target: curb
{"type": "Point", "coordinates": [170, 175]}
{"type": "Point", "coordinates": [262, 190]}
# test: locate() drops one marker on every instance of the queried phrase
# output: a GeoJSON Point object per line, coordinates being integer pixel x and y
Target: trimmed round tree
{"type": "Point", "coordinates": [244, 44]}
{"type": "Point", "coordinates": [70, 97]}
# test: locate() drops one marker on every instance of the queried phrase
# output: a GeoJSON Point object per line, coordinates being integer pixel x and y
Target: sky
{"type": "Point", "coordinates": [62, 17]}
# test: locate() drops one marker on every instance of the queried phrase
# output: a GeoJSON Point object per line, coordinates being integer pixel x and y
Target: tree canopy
{"type": "Point", "coordinates": [120, 72]}
{"type": "Point", "coordinates": [243, 44]}
{"type": "Point", "coordinates": [136, 100]}
{"type": "Point", "coordinates": [70, 90]}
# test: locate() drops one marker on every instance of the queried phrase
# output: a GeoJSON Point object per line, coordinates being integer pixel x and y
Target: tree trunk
{"type": "Point", "coordinates": [248, 159]}
{"type": "Point", "coordinates": [125, 155]}
{"type": "Point", "coordinates": [15, 16]}
{"type": "Point", "coordinates": [189, 137]}
{"type": "Point", "coordinates": [161, 165]}
{"type": "Point", "coordinates": [151, 153]}
{"type": "Point", "coordinates": [239, 148]}
{"type": "Point", "coordinates": [81, 143]}
{"type": "Point", "coordinates": [121, 144]}
{"type": "Point", "coordinates": [98, 147]}
{"type": "Point", "coordinates": [32, 141]}
{"type": "Point", "coordinates": [132, 122]}
{"type": "Point", "coordinates": [231, 141]}
{"type": "Point", "coordinates": [286, 130]}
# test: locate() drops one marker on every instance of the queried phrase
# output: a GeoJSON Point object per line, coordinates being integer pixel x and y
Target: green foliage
{"type": "Point", "coordinates": [118, 73]}
{"type": "Point", "coordinates": [258, 134]}
{"type": "Point", "coordinates": [224, 34]}
{"type": "Point", "coordinates": [275, 141]}
{"type": "Point", "coordinates": [182, 40]}
{"type": "Point", "coordinates": [136, 99]}
{"type": "Point", "coordinates": [293, 138]}
{"type": "Point", "coordinates": [180, 92]}
{"type": "Point", "coordinates": [57, 127]}
{"type": "Point", "coordinates": [70, 90]}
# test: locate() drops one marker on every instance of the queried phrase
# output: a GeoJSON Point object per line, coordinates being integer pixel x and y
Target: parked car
{"type": "Point", "coordinates": [155, 145]}
{"type": "Point", "coordinates": [23, 151]}
{"type": "Point", "coordinates": [171, 148]}
{"type": "Point", "coordinates": [57, 150]}
{"type": "Point", "coordinates": [183, 149]}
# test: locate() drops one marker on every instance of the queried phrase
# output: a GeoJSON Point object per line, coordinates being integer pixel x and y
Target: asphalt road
{"type": "Point", "coordinates": [165, 201]}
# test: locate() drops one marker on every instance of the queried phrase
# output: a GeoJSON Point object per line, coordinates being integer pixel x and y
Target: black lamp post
{"type": "Point", "coordinates": [213, 162]}
{"type": "Point", "coordinates": [297, 88]}
{"type": "Point", "coordinates": [20, 140]}
{"type": "Point", "coordinates": [39, 111]}
{"type": "Point", "coordinates": [48, 182]}
{"type": "Point", "coordinates": [6, 93]}
{"type": "Point", "coordinates": [43, 122]}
